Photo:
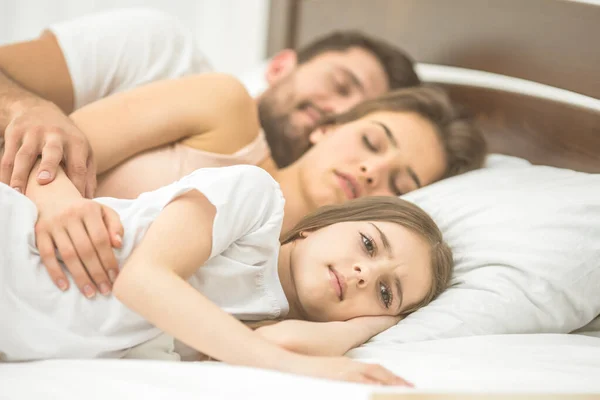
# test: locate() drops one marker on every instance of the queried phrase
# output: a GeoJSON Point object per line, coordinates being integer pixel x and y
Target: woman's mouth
{"type": "Point", "coordinates": [348, 184]}
{"type": "Point", "coordinates": [337, 282]}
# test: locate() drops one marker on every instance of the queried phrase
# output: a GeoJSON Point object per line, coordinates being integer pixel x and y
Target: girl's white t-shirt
{"type": "Point", "coordinates": [38, 321]}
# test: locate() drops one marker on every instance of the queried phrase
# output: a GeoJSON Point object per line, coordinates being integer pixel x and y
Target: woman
{"type": "Point", "coordinates": [204, 252]}
{"type": "Point", "coordinates": [154, 135]}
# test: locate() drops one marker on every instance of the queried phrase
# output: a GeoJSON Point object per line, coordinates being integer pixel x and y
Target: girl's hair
{"type": "Point", "coordinates": [463, 142]}
{"type": "Point", "coordinates": [387, 209]}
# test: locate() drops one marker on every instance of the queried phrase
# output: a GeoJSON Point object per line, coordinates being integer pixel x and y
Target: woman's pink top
{"type": "Point", "coordinates": [164, 165]}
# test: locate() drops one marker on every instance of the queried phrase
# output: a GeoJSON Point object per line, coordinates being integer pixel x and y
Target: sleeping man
{"type": "Point", "coordinates": [80, 61]}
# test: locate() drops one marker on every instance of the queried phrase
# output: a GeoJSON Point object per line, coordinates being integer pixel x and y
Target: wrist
{"type": "Point", "coordinates": [25, 102]}
{"type": "Point", "coordinates": [280, 359]}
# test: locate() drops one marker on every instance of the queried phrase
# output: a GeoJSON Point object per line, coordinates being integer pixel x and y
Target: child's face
{"type": "Point", "coordinates": [353, 269]}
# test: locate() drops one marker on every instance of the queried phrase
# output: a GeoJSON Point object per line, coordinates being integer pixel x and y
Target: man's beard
{"type": "Point", "coordinates": [287, 142]}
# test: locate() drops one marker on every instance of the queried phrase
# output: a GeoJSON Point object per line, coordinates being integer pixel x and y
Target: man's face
{"type": "Point", "coordinates": [298, 97]}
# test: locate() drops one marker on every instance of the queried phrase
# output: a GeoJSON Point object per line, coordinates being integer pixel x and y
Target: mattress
{"type": "Point", "coordinates": [541, 363]}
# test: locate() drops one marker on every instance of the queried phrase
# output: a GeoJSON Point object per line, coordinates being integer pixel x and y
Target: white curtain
{"type": "Point", "coordinates": [232, 33]}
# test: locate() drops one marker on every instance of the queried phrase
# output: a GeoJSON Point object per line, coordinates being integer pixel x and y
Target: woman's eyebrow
{"type": "Point", "coordinates": [388, 132]}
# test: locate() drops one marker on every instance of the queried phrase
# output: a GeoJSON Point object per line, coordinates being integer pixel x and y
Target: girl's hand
{"type": "Point", "coordinates": [346, 369]}
{"type": "Point", "coordinates": [84, 232]}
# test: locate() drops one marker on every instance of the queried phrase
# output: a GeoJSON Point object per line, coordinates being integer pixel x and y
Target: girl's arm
{"type": "Point", "coordinates": [153, 284]}
{"type": "Point", "coordinates": [65, 218]}
{"type": "Point", "coordinates": [213, 109]}
{"type": "Point", "coordinates": [215, 106]}
{"type": "Point", "coordinates": [325, 338]}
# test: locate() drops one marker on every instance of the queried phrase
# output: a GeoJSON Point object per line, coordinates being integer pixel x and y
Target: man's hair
{"type": "Point", "coordinates": [398, 66]}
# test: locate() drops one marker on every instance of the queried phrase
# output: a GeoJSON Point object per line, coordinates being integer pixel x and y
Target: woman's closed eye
{"type": "Point", "coordinates": [394, 186]}
{"type": "Point", "coordinates": [386, 295]}
{"type": "Point", "coordinates": [369, 144]}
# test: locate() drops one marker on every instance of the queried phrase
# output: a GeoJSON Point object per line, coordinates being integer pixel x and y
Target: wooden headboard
{"type": "Point", "coordinates": [529, 70]}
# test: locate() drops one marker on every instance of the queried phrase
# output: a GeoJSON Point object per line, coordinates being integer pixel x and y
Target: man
{"type": "Point", "coordinates": [80, 61]}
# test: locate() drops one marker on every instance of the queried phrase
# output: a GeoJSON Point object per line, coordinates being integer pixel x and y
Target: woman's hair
{"type": "Point", "coordinates": [463, 142]}
{"type": "Point", "coordinates": [387, 209]}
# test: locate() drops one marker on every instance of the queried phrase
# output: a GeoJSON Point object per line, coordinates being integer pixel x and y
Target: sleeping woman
{"type": "Point", "coordinates": [153, 135]}
{"type": "Point", "coordinates": [204, 253]}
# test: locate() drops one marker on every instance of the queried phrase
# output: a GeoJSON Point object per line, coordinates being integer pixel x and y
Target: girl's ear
{"type": "Point", "coordinates": [281, 65]}
{"type": "Point", "coordinates": [319, 133]}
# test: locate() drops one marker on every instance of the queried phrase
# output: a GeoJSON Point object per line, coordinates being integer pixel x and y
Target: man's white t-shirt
{"type": "Point", "coordinates": [117, 50]}
{"type": "Point", "coordinates": [240, 275]}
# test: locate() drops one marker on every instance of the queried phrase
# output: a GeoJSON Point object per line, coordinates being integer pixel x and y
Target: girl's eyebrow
{"type": "Point", "coordinates": [388, 247]}
{"type": "Point", "coordinates": [398, 285]}
{"type": "Point", "coordinates": [386, 243]}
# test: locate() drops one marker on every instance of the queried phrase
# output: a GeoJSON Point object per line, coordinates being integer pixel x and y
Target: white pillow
{"type": "Point", "coordinates": [526, 242]}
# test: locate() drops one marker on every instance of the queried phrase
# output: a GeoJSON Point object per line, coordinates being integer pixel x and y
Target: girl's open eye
{"type": "Point", "coordinates": [368, 144]}
{"type": "Point", "coordinates": [386, 295]}
{"type": "Point", "coordinates": [368, 244]}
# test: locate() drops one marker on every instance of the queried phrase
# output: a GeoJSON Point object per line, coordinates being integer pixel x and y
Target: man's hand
{"type": "Point", "coordinates": [41, 128]}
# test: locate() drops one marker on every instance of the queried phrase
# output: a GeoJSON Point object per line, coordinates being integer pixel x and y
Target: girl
{"type": "Point", "coordinates": [202, 253]}
{"type": "Point", "coordinates": [153, 135]}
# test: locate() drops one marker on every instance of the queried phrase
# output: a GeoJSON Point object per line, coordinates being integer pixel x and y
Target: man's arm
{"type": "Point", "coordinates": [35, 92]}
{"type": "Point", "coordinates": [40, 69]}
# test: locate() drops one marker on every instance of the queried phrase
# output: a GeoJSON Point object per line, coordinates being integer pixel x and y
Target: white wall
{"type": "Point", "coordinates": [232, 33]}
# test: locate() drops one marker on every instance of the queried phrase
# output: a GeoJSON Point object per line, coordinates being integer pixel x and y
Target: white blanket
{"type": "Point", "coordinates": [515, 363]}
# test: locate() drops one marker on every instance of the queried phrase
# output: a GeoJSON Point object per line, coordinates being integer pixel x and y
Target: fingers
{"type": "Point", "coordinates": [384, 376]}
{"type": "Point", "coordinates": [24, 161]}
{"type": "Point", "coordinates": [87, 257]}
{"type": "Point", "coordinates": [104, 229]}
{"type": "Point", "coordinates": [11, 145]}
{"type": "Point", "coordinates": [45, 246]}
{"type": "Point", "coordinates": [71, 261]}
{"type": "Point", "coordinates": [52, 154]}
{"type": "Point", "coordinates": [90, 183]}
{"type": "Point", "coordinates": [113, 224]}
{"type": "Point", "coordinates": [77, 161]}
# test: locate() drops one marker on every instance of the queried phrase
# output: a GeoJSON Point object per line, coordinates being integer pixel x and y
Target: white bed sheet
{"type": "Point", "coordinates": [504, 363]}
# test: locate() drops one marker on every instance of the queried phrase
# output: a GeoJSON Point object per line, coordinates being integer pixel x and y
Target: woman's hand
{"type": "Point", "coordinates": [346, 369]}
{"type": "Point", "coordinates": [84, 233]}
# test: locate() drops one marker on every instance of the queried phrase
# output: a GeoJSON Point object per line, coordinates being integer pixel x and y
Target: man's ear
{"type": "Point", "coordinates": [281, 66]}
{"type": "Point", "coordinates": [319, 133]}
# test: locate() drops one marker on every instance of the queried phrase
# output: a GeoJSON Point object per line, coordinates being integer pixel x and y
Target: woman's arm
{"type": "Point", "coordinates": [215, 106]}
{"type": "Point", "coordinates": [325, 338]}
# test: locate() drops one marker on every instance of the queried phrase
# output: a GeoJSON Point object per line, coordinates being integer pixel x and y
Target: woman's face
{"type": "Point", "coordinates": [352, 269]}
{"type": "Point", "coordinates": [382, 154]}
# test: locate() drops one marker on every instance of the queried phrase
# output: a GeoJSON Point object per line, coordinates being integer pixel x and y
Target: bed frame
{"type": "Point", "coordinates": [528, 70]}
